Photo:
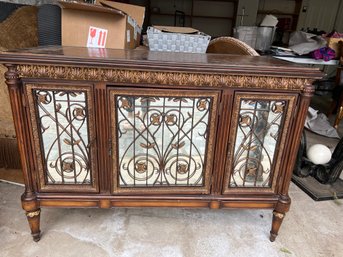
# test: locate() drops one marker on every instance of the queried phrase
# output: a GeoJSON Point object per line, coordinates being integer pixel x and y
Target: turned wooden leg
{"type": "Point", "coordinates": [277, 220]}
{"type": "Point", "coordinates": [31, 206]}
{"type": "Point", "coordinates": [33, 218]}
{"type": "Point", "coordinates": [279, 212]}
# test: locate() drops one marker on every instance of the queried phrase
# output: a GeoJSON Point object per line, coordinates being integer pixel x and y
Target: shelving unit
{"type": "Point", "coordinates": [292, 12]}
{"type": "Point", "coordinates": [218, 20]}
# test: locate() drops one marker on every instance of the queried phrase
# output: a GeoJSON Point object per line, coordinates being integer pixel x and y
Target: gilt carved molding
{"type": "Point", "coordinates": [11, 76]}
{"type": "Point", "coordinates": [161, 77]}
{"type": "Point", "coordinates": [278, 214]}
{"type": "Point", "coordinates": [33, 213]}
{"type": "Point", "coordinates": [308, 90]}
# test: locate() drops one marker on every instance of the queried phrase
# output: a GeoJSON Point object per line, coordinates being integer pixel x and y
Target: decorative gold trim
{"type": "Point", "coordinates": [278, 215]}
{"type": "Point", "coordinates": [161, 77]}
{"type": "Point", "coordinates": [308, 89]}
{"type": "Point", "coordinates": [33, 213]}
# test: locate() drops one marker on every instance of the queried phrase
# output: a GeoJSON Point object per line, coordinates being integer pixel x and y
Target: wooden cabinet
{"type": "Point", "coordinates": [118, 128]}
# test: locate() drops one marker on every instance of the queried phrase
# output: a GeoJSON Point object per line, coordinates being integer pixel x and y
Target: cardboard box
{"type": "Point", "coordinates": [109, 25]}
{"type": "Point", "coordinates": [177, 39]}
{"type": "Point", "coordinates": [334, 44]}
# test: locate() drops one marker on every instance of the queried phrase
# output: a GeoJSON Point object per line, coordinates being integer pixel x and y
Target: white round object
{"type": "Point", "coordinates": [319, 154]}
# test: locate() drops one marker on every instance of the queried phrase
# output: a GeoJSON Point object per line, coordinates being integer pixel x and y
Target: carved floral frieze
{"type": "Point", "coordinates": [161, 77]}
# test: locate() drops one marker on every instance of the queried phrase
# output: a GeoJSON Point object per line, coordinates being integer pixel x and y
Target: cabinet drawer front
{"type": "Point", "coordinates": [62, 119]}
{"type": "Point", "coordinates": [260, 125]}
{"type": "Point", "coordinates": [162, 140]}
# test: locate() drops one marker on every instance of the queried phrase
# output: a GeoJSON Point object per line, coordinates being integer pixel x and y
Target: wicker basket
{"type": "Point", "coordinates": [177, 42]}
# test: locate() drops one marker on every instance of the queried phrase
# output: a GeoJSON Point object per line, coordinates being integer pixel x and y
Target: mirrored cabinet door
{"type": "Point", "coordinates": [62, 121]}
{"type": "Point", "coordinates": [259, 129]}
{"type": "Point", "coordinates": [162, 140]}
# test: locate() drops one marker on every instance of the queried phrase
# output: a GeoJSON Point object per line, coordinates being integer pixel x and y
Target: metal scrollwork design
{"type": "Point", "coordinates": [162, 140]}
{"type": "Point", "coordinates": [63, 121]}
{"type": "Point", "coordinates": [259, 125]}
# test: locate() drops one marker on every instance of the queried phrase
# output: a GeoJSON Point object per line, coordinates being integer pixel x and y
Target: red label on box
{"type": "Point", "coordinates": [97, 37]}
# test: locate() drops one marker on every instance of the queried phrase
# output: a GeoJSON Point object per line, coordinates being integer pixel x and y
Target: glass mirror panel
{"type": "Point", "coordinates": [63, 124]}
{"type": "Point", "coordinates": [162, 141]}
{"type": "Point", "coordinates": [258, 127]}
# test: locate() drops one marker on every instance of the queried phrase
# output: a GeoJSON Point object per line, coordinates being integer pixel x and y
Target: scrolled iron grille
{"type": "Point", "coordinates": [63, 122]}
{"type": "Point", "coordinates": [162, 140]}
{"type": "Point", "coordinates": [259, 124]}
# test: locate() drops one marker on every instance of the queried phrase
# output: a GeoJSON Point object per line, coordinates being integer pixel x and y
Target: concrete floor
{"type": "Point", "coordinates": [309, 229]}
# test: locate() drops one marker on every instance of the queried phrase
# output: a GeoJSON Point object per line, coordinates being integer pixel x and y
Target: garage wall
{"type": "Point", "coordinates": [339, 18]}
{"type": "Point", "coordinates": [250, 12]}
{"type": "Point", "coordinates": [211, 17]}
{"type": "Point", "coordinates": [320, 14]}
{"type": "Point", "coordinates": [324, 15]}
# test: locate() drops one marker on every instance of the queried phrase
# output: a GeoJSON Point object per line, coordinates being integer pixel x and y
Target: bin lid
{"type": "Point", "coordinates": [171, 29]}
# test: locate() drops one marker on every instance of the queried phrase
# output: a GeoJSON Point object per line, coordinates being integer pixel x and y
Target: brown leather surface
{"type": "Point", "coordinates": [19, 30]}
